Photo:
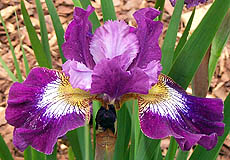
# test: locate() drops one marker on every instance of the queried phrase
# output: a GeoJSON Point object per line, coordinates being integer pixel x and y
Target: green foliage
{"type": "Point", "coordinates": [43, 31]}
{"type": "Point", "coordinates": [191, 54]}
{"type": "Point", "coordinates": [184, 37]}
{"type": "Point", "coordinates": [36, 155]}
{"type": "Point", "coordinates": [123, 133]}
{"type": "Point", "coordinates": [147, 148]}
{"type": "Point", "coordinates": [57, 27]}
{"type": "Point", "coordinates": [170, 38]}
{"type": "Point", "coordinates": [172, 149]}
{"type": "Point", "coordinates": [21, 45]}
{"type": "Point", "coordinates": [160, 6]}
{"type": "Point", "coordinates": [108, 10]}
{"type": "Point", "coordinates": [4, 151]}
{"type": "Point", "coordinates": [53, 156]}
{"type": "Point", "coordinates": [35, 42]}
{"type": "Point", "coordinates": [218, 44]}
{"type": "Point", "coordinates": [19, 74]}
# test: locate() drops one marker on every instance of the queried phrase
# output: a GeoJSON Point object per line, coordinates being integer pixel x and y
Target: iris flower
{"type": "Point", "coordinates": [189, 3]}
{"type": "Point", "coordinates": [116, 63]}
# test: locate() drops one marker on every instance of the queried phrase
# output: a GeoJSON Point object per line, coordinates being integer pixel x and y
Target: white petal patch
{"type": "Point", "coordinates": [164, 100]}
{"type": "Point", "coordinates": [60, 99]}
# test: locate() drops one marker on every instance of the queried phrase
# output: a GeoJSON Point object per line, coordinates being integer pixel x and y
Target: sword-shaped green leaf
{"type": "Point", "coordinates": [18, 71]}
{"type": "Point", "coordinates": [35, 42]}
{"type": "Point", "coordinates": [185, 34]}
{"type": "Point", "coordinates": [57, 26]}
{"type": "Point", "coordinates": [43, 31]}
{"type": "Point", "coordinates": [218, 44]}
{"type": "Point", "coordinates": [4, 150]}
{"type": "Point", "coordinates": [195, 48]}
{"type": "Point", "coordinates": [170, 38]}
{"type": "Point", "coordinates": [123, 133]}
{"type": "Point", "coordinates": [108, 10]}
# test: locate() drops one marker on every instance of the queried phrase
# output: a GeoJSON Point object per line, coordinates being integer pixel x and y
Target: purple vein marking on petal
{"type": "Point", "coordinates": [168, 110]}
{"type": "Point", "coordinates": [148, 32]}
{"type": "Point", "coordinates": [114, 39]}
{"type": "Point", "coordinates": [78, 36]}
{"type": "Point", "coordinates": [41, 111]}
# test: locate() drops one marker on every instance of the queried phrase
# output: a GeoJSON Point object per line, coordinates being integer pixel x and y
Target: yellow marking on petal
{"type": "Point", "coordinates": [124, 98]}
{"type": "Point", "coordinates": [159, 92]}
{"type": "Point", "coordinates": [74, 96]}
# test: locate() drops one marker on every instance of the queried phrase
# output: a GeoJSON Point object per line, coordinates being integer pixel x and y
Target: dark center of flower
{"type": "Point", "coordinates": [106, 118]}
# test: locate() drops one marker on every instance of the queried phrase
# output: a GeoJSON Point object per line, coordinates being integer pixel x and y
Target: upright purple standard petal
{"type": "Point", "coordinates": [78, 36]}
{"type": "Point", "coordinates": [189, 3]}
{"type": "Point", "coordinates": [109, 77]}
{"type": "Point", "coordinates": [43, 108]}
{"type": "Point", "coordinates": [114, 39]}
{"type": "Point", "coordinates": [168, 110]}
{"type": "Point", "coordinates": [148, 32]}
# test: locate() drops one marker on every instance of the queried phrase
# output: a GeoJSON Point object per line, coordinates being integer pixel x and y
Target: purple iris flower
{"type": "Point", "coordinates": [115, 64]}
{"type": "Point", "coordinates": [189, 3]}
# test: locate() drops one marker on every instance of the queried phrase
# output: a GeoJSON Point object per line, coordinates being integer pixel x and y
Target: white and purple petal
{"type": "Point", "coordinates": [114, 39]}
{"type": "Point", "coordinates": [109, 77]}
{"type": "Point", "coordinates": [78, 36]}
{"type": "Point", "coordinates": [80, 75]}
{"type": "Point", "coordinates": [147, 32]}
{"type": "Point", "coordinates": [43, 108]}
{"type": "Point", "coordinates": [168, 110]}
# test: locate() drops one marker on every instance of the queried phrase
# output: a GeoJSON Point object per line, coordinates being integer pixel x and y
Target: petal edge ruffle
{"type": "Point", "coordinates": [112, 40]}
{"type": "Point", "coordinates": [147, 32]}
{"type": "Point", "coordinates": [78, 36]}
{"type": "Point", "coordinates": [43, 108]}
{"type": "Point", "coordinates": [168, 111]}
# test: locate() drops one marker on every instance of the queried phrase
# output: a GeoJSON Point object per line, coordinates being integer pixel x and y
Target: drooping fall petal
{"type": "Point", "coordinates": [168, 110]}
{"type": "Point", "coordinates": [43, 108]}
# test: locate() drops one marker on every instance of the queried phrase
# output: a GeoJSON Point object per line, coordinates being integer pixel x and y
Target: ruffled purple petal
{"type": "Point", "coordinates": [147, 32]}
{"type": "Point", "coordinates": [114, 39]}
{"type": "Point", "coordinates": [43, 108]}
{"type": "Point", "coordinates": [78, 36]}
{"type": "Point", "coordinates": [168, 110]}
{"type": "Point", "coordinates": [109, 77]}
{"type": "Point", "coordinates": [80, 75]}
{"type": "Point", "coordinates": [153, 70]}
{"type": "Point", "coordinates": [189, 3]}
